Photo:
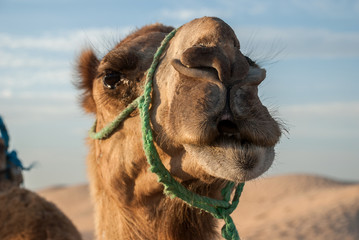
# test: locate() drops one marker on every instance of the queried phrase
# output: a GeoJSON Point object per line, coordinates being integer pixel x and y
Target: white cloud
{"type": "Point", "coordinates": [299, 42]}
{"type": "Point", "coordinates": [29, 95]}
{"type": "Point", "coordinates": [69, 41]}
{"type": "Point", "coordinates": [40, 77]}
{"type": "Point", "coordinates": [258, 8]}
{"type": "Point", "coordinates": [223, 9]}
{"type": "Point", "coordinates": [6, 93]}
{"type": "Point", "coordinates": [335, 109]}
{"type": "Point", "coordinates": [32, 109]}
{"type": "Point", "coordinates": [20, 60]}
{"type": "Point", "coordinates": [38, 83]}
{"type": "Point", "coordinates": [186, 14]}
{"type": "Point", "coordinates": [48, 95]}
{"type": "Point", "coordinates": [332, 8]}
{"type": "Point", "coordinates": [337, 120]}
{"type": "Point", "coordinates": [263, 8]}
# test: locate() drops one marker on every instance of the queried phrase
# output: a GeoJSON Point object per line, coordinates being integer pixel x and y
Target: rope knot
{"type": "Point", "coordinates": [223, 212]}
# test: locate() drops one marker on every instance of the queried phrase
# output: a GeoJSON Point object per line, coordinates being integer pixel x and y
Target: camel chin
{"type": "Point", "coordinates": [232, 161]}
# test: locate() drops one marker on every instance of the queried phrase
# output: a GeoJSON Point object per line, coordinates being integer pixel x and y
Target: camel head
{"type": "Point", "coordinates": [208, 123]}
{"type": "Point", "coordinates": [206, 115]}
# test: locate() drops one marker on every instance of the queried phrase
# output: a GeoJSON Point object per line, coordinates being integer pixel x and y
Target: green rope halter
{"type": "Point", "coordinates": [220, 209]}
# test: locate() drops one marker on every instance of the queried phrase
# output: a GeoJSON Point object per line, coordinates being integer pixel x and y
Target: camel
{"type": "Point", "coordinates": [209, 128]}
{"type": "Point", "coordinates": [24, 215]}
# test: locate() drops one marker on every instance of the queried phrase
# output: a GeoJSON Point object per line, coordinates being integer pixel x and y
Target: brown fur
{"type": "Point", "coordinates": [86, 68]}
{"type": "Point", "coordinates": [30, 217]}
{"type": "Point", "coordinates": [209, 123]}
{"type": "Point", "coordinates": [146, 30]}
{"type": "Point", "coordinates": [26, 216]}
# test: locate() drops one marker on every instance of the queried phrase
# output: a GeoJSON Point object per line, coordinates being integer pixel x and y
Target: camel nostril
{"type": "Point", "coordinates": [227, 126]}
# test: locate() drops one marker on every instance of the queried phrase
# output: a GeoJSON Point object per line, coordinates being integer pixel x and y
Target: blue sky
{"type": "Point", "coordinates": [309, 48]}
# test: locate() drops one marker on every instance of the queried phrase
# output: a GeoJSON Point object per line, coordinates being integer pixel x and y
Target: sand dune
{"type": "Point", "coordinates": [285, 207]}
{"type": "Point", "coordinates": [299, 207]}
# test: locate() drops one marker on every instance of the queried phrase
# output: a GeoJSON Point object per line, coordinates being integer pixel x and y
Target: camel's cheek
{"type": "Point", "coordinates": [194, 110]}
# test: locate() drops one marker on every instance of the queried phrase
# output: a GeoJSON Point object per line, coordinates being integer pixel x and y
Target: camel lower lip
{"type": "Point", "coordinates": [231, 159]}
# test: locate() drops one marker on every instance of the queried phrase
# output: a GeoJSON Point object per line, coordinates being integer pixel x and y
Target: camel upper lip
{"type": "Point", "coordinates": [226, 123]}
{"type": "Point", "coordinates": [229, 132]}
{"type": "Point", "coordinates": [227, 127]}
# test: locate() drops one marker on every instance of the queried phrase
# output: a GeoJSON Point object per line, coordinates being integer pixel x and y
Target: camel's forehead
{"type": "Point", "coordinates": [208, 31]}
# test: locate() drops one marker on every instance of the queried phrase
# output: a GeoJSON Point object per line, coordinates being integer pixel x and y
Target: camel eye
{"type": "Point", "coordinates": [111, 79]}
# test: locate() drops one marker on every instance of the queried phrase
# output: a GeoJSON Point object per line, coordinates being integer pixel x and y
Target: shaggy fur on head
{"type": "Point", "coordinates": [86, 69]}
{"type": "Point", "coordinates": [209, 125]}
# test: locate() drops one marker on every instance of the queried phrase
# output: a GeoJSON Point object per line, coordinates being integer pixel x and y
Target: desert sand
{"type": "Point", "coordinates": [292, 207]}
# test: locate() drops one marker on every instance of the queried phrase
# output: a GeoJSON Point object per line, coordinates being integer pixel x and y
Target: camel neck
{"type": "Point", "coordinates": [172, 219]}
{"type": "Point", "coordinates": [177, 220]}
{"type": "Point", "coordinates": [124, 211]}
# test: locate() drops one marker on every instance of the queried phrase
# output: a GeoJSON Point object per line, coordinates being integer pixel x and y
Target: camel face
{"type": "Point", "coordinates": [207, 102]}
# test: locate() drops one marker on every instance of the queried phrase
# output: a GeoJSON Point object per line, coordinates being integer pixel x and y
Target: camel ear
{"type": "Point", "coordinates": [87, 69]}
{"type": "Point", "coordinates": [213, 57]}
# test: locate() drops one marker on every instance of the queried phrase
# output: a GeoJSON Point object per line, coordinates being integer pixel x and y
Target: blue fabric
{"type": "Point", "coordinates": [11, 157]}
